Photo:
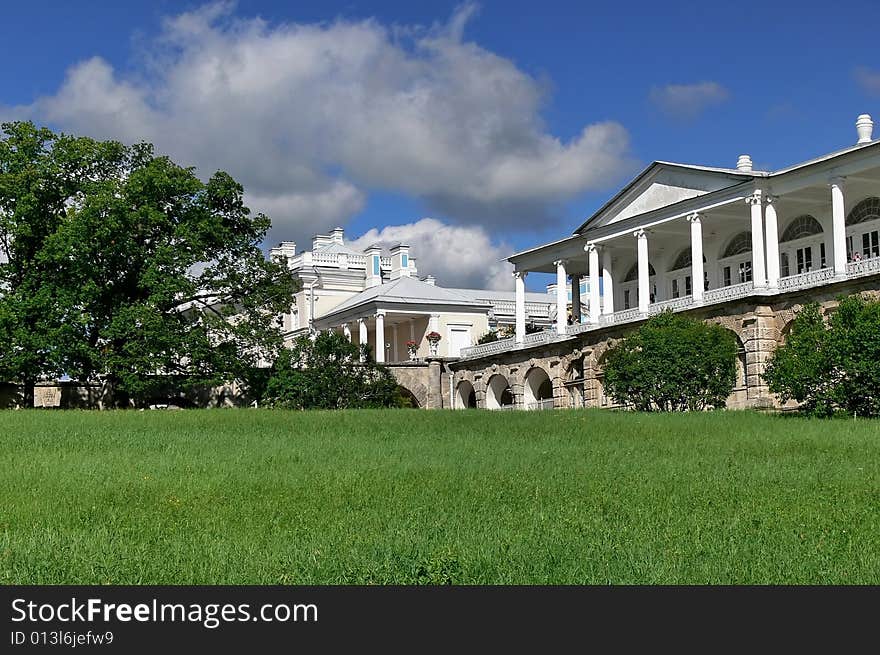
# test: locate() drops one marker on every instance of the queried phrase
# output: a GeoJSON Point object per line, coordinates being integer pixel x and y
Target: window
{"type": "Point", "coordinates": [784, 269]}
{"type": "Point", "coordinates": [633, 273]}
{"type": "Point", "coordinates": [683, 260]}
{"type": "Point", "coordinates": [675, 288]}
{"type": "Point", "coordinates": [867, 210]}
{"type": "Point", "coordinates": [822, 262]}
{"type": "Point", "coordinates": [626, 303]}
{"type": "Point", "coordinates": [870, 244]}
{"type": "Point", "coordinates": [726, 276]}
{"type": "Point", "coordinates": [745, 272]}
{"type": "Point", "coordinates": [739, 245]}
{"type": "Point", "coordinates": [687, 286]}
{"type": "Point", "coordinates": [800, 228]}
{"type": "Point", "coordinates": [804, 259]}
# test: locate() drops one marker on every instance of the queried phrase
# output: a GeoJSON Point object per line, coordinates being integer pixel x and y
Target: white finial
{"type": "Point", "coordinates": [864, 128]}
{"type": "Point", "coordinates": [744, 164]}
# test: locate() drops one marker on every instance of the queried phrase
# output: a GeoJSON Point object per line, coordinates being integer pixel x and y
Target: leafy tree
{"type": "Point", "coordinates": [330, 372]}
{"type": "Point", "coordinates": [834, 366]}
{"type": "Point", "coordinates": [139, 275]}
{"type": "Point", "coordinates": [672, 363]}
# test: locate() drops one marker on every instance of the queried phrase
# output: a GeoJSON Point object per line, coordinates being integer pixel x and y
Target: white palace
{"type": "Point", "coordinates": [740, 247]}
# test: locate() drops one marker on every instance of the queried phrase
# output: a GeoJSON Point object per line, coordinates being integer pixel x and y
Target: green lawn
{"type": "Point", "coordinates": [571, 497]}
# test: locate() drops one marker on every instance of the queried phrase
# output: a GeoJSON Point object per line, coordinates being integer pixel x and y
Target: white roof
{"type": "Point", "coordinates": [490, 294]}
{"type": "Point", "coordinates": [407, 290]}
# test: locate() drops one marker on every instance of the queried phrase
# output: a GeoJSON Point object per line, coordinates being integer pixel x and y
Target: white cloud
{"type": "Point", "coordinates": [312, 117]}
{"type": "Point", "coordinates": [458, 256]}
{"type": "Point", "coordinates": [687, 101]}
{"type": "Point", "coordinates": [868, 79]}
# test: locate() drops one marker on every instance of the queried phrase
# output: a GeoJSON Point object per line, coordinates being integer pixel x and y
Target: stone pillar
{"type": "Point", "coordinates": [607, 282]}
{"type": "Point", "coordinates": [771, 228]}
{"type": "Point", "coordinates": [760, 337]}
{"type": "Point", "coordinates": [759, 273]}
{"type": "Point", "coordinates": [346, 330]}
{"type": "Point", "coordinates": [593, 253]}
{"type": "Point", "coordinates": [380, 336]}
{"type": "Point", "coordinates": [363, 340]}
{"type": "Point", "coordinates": [644, 272]}
{"type": "Point", "coordinates": [838, 222]}
{"type": "Point", "coordinates": [576, 297]}
{"type": "Point", "coordinates": [696, 221]}
{"type": "Point", "coordinates": [561, 297]}
{"type": "Point", "coordinates": [520, 332]}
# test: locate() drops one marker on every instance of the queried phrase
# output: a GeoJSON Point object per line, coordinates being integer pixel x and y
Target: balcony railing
{"type": "Point", "coordinates": [805, 280]}
{"type": "Point", "coordinates": [713, 296]}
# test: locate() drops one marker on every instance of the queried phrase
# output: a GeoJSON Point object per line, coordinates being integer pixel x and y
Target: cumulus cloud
{"type": "Point", "coordinates": [868, 79]}
{"type": "Point", "coordinates": [312, 117]}
{"type": "Point", "coordinates": [688, 101]}
{"type": "Point", "coordinates": [458, 256]}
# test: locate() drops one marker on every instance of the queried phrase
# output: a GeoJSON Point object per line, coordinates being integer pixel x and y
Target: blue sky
{"type": "Point", "coordinates": [496, 154]}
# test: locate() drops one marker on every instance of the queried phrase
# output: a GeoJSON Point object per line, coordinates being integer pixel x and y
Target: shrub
{"type": "Point", "coordinates": [672, 363]}
{"type": "Point", "coordinates": [330, 373]}
{"type": "Point", "coordinates": [834, 366]}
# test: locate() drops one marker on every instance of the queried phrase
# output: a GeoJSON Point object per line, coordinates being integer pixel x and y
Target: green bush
{"type": "Point", "coordinates": [833, 366]}
{"type": "Point", "coordinates": [672, 363]}
{"type": "Point", "coordinates": [330, 373]}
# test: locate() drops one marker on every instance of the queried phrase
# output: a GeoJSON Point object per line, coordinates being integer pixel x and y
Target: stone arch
{"type": "Point", "coordinates": [537, 389]}
{"type": "Point", "coordinates": [741, 362]}
{"type": "Point", "coordinates": [409, 396]}
{"type": "Point", "coordinates": [865, 210]}
{"type": "Point", "coordinates": [465, 395]}
{"type": "Point", "coordinates": [801, 227]}
{"type": "Point", "coordinates": [499, 395]}
{"type": "Point", "coordinates": [739, 244]}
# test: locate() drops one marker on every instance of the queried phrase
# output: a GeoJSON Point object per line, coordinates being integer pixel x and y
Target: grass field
{"type": "Point", "coordinates": [571, 497]}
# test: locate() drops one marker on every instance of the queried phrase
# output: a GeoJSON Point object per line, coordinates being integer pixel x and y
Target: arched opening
{"type": "Point", "coordinates": [406, 398]}
{"type": "Point", "coordinates": [538, 390]}
{"type": "Point", "coordinates": [863, 230]}
{"type": "Point", "coordinates": [739, 381]}
{"type": "Point", "coordinates": [801, 247]}
{"type": "Point", "coordinates": [498, 393]}
{"type": "Point", "coordinates": [465, 396]}
{"type": "Point", "coordinates": [736, 260]}
{"type": "Point", "coordinates": [574, 382]}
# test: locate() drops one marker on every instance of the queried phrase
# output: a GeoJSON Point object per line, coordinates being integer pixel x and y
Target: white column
{"type": "Point", "coordinates": [644, 272]}
{"type": "Point", "coordinates": [759, 273]}
{"type": "Point", "coordinates": [607, 282]}
{"type": "Point", "coordinates": [434, 323]}
{"type": "Point", "coordinates": [696, 221]}
{"type": "Point", "coordinates": [561, 297]}
{"type": "Point", "coordinates": [394, 343]}
{"type": "Point", "coordinates": [593, 255]}
{"type": "Point", "coordinates": [771, 229]}
{"type": "Point", "coordinates": [838, 223]}
{"type": "Point", "coordinates": [576, 298]}
{"type": "Point", "coordinates": [346, 330]}
{"type": "Point", "coordinates": [380, 336]}
{"type": "Point", "coordinates": [362, 332]}
{"type": "Point", "coordinates": [412, 329]}
{"type": "Point", "coordinates": [520, 331]}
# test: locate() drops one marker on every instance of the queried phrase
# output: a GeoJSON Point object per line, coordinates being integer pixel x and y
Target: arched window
{"type": "Point", "coordinates": [739, 245]}
{"type": "Point", "coordinates": [684, 260]}
{"type": "Point", "coordinates": [867, 210]}
{"type": "Point", "coordinates": [801, 227]}
{"type": "Point", "coordinates": [634, 272]}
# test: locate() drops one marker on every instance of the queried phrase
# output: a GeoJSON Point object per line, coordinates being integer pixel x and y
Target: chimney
{"type": "Point", "coordinates": [336, 235]}
{"type": "Point", "coordinates": [744, 164]}
{"type": "Point", "coordinates": [321, 240]}
{"type": "Point", "coordinates": [864, 128]}
{"type": "Point", "coordinates": [373, 274]}
{"type": "Point", "coordinates": [284, 250]}
{"type": "Point", "coordinates": [430, 279]}
{"type": "Point", "coordinates": [399, 261]}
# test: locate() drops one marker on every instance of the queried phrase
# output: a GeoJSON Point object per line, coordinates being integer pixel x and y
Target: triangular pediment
{"type": "Point", "coordinates": [660, 185]}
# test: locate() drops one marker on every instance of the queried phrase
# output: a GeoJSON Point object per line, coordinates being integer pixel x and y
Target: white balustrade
{"type": "Point", "coordinates": [728, 293]}
{"type": "Point", "coordinates": [675, 304]}
{"type": "Point", "coordinates": [863, 267]}
{"type": "Point", "coordinates": [805, 280]}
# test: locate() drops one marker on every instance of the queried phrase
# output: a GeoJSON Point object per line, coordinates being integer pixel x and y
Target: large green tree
{"type": "Point", "coordinates": [831, 366]}
{"type": "Point", "coordinates": [124, 268]}
{"type": "Point", "coordinates": [672, 363]}
{"type": "Point", "coordinates": [329, 372]}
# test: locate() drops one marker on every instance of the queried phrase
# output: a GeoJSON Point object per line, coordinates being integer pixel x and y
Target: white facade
{"type": "Point", "coordinates": [680, 236]}
{"type": "Point", "coordinates": [375, 297]}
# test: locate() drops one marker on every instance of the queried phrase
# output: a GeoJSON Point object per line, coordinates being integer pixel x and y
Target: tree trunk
{"type": "Point", "coordinates": [27, 394]}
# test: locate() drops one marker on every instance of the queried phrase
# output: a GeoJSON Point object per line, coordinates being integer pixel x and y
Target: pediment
{"type": "Point", "coordinates": [658, 186]}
